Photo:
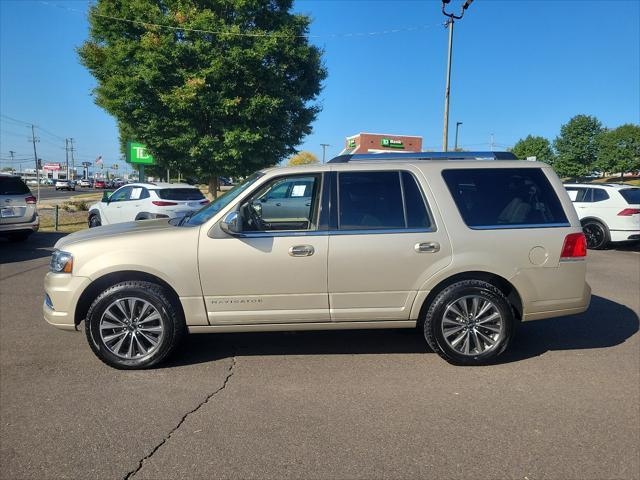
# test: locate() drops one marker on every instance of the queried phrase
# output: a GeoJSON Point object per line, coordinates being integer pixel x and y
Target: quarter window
{"type": "Point", "coordinates": [599, 195]}
{"type": "Point", "coordinates": [504, 197]}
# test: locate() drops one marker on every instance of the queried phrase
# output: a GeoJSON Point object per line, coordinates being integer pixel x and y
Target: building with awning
{"type": "Point", "coordinates": [380, 142]}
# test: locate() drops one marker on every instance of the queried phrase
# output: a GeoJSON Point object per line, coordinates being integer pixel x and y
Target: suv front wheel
{"type": "Point", "coordinates": [133, 325]}
{"type": "Point", "coordinates": [469, 323]}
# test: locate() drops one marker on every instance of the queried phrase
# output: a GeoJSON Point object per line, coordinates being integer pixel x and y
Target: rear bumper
{"type": "Point", "coordinates": [572, 306]}
{"type": "Point", "coordinates": [624, 235]}
{"type": "Point", "coordinates": [31, 226]}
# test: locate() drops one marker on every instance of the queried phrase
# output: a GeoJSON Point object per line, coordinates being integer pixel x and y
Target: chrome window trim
{"type": "Point", "coordinates": [319, 233]}
{"type": "Point", "coordinates": [520, 226]}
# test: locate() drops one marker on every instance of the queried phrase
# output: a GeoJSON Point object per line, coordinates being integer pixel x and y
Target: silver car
{"type": "Point", "coordinates": [18, 215]}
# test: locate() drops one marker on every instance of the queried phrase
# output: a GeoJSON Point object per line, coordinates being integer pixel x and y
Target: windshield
{"type": "Point", "coordinates": [219, 203]}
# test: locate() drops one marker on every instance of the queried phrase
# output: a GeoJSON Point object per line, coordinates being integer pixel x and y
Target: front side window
{"type": "Point", "coordinates": [120, 195]}
{"type": "Point", "coordinates": [289, 203]}
{"type": "Point", "coordinates": [504, 197]}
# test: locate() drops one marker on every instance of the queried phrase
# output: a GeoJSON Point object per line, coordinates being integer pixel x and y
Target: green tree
{"type": "Point", "coordinates": [303, 158]}
{"type": "Point", "coordinates": [577, 146]}
{"type": "Point", "coordinates": [234, 96]}
{"type": "Point", "coordinates": [619, 149]}
{"type": "Point", "coordinates": [531, 146]}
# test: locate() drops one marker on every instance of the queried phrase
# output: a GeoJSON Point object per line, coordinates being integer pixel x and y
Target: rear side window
{"type": "Point", "coordinates": [579, 194]}
{"type": "Point", "coordinates": [13, 186]}
{"type": "Point", "coordinates": [600, 195]}
{"type": "Point", "coordinates": [180, 194]}
{"type": "Point", "coordinates": [631, 195]}
{"type": "Point", "coordinates": [374, 200]}
{"type": "Point", "coordinates": [504, 197]}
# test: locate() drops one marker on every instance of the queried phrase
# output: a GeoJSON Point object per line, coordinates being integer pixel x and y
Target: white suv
{"type": "Point", "coordinates": [143, 201]}
{"type": "Point", "coordinates": [463, 248]}
{"type": "Point", "coordinates": [608, 212]}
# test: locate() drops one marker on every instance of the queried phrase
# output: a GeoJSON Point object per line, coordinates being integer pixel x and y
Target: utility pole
{"type": "Point", "coordinates": [456, 144]}
{"type": "Point", "coordinates": [66, 156]}
{"type": "Point", "coordinates": [449, 24]}
{"type": "Point", "coordinates": [491, 143]}
{"type": "Point", "coordinates": [35, 156]}
{"type": "Point", "coordinates": [324, 150]}
{"type": "Point", "coordinates": [11, 154]}
{"type": "Point", "coordinates": [73, 162]}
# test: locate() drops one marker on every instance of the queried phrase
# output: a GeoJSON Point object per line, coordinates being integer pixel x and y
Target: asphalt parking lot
{"type": "Point", "coordinates": [564, 403]}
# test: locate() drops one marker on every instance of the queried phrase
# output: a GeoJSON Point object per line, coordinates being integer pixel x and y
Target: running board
{"type": "Point", "coordinates": [286, 327]}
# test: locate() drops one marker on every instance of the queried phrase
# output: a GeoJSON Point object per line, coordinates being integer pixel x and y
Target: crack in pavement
{"type": "Point", "coordinates": [230, 372]}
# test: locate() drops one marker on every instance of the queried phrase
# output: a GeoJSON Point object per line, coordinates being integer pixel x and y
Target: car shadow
{"type": "Point", "coordinates": [605, 324]}
{"type": "Point", "coordinates": [38, 245]}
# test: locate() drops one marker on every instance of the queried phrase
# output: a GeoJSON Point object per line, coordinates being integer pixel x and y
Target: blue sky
{"type": "Point", "coordinates": [519, 67]}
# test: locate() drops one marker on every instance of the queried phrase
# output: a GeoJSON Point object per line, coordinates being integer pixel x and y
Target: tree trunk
{"type": "Point", "coordinates": [213, 186]}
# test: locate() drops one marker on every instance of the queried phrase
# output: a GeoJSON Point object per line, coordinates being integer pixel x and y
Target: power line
{"type": "Point", "coordinates": [242, 34]}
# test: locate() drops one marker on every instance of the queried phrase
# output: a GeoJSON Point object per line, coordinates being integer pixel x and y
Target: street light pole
{"type": "Point", "coordinates": [324, 150]}
{"type": "Point", "coordinates": [455, 149]}
{"type": "Point", "coordinates": [449, 24]}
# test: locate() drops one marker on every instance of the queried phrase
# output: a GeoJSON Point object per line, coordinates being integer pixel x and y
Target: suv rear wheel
{"type": "Point", "coordinates": [133, 325]}
{"type": "Point", "coordinates": [597, 234]}
{"type": "Point", "coordinates": [469, 323]}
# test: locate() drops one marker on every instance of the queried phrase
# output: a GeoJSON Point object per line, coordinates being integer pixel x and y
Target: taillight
{"type": "Point", "coordinates": [204, 202]}
{"type": "Point", "coordinates": [160, 203]}
{"type": "Point", "coordinates": [31, 200]}
{"type": "Point", "coordinates": [575, 246]}
{"type": "Point", "coordinates": [627, 212]}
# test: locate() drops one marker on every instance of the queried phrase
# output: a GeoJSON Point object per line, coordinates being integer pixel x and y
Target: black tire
{"type": "Point", "coordinates": [18, 237]}
{"type": "Point", "coordinates": [169, 318]}
{"type": "Point", "coordinates": [94, 221]}
{"type": "Point", "coordinates": [597, 234]}
{"type": "Point", "coordinates": [433, 322]}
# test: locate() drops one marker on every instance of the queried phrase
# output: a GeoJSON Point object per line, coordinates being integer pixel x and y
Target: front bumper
{"type": "Point", "coordinates": [62, 293]}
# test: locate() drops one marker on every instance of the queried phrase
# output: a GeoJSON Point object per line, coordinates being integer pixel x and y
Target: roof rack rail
{"type": "Point", "coordinates": [363, 157]}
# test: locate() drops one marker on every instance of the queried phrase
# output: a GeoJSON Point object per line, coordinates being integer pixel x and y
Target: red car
{"type": "Point", "coordinates": [100, 184]}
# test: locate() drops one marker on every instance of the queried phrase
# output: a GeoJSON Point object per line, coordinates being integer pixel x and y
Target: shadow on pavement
{"type": "Point", "coordinates": [605, 324]}
{"type": "Point", "coordinates": [38, 245]}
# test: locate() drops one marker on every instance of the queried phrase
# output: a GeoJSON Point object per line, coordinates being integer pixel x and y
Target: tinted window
{"type": "Point", "coordinates": [12, 186]}
{"type": "Point", "coordinates": [631, 195]}
{"type": "Point", "coordinates": [494, 197]}
{"type": "Point", "coordinates": [579, 194]}
{"type": "Point", "coordinates": [370, 200]}
{"type": "Point", "coordinates": [180, 194]}
{"type": "Point", "coordinates": [599, 195]}
{"type": "Point", "coordinates": [417, 216]}
{"type": "Point", "coordinates": [120, 195]}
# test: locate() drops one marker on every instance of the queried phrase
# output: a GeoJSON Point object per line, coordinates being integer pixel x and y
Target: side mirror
{"type": "Point", "coordinates": [231, 223]}
{"type": "Point", "coordinates": [106, 196]}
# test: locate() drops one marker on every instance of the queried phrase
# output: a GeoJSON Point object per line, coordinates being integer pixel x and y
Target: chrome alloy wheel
{"type": "Point", "coordinates": [131, 328]}
{"type": "Point", "coordinates": [472, 325]}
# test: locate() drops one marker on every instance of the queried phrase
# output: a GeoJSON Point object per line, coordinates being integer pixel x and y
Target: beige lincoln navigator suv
{"type": "Point", "coordinates": [463, 246]}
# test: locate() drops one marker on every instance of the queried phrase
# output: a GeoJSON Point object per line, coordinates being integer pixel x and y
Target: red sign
{"type": "Point", "coordinates": [51, 166]}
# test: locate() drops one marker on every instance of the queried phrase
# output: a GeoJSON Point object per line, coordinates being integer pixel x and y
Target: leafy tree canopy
{"type": "Point", "coordinates": [577, 146]}
{"type": "Point", "coordinates": [223, 103]}
{"type": "Point", "coordinates": [534, 146]}
{"type": "Point", "coordinates": [303, 158]}
{"type": "Point", "coordinates": [619, 149]}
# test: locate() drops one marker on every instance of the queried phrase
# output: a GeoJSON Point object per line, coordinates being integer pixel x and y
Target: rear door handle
{"type": "Point", "coordinates": [427, 247]}
{"type": "Point", "coordinates": [301, 251]}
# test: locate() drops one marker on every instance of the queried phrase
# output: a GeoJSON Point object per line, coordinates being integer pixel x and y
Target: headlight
{"type": "Point", "coordinates": [61, 262]}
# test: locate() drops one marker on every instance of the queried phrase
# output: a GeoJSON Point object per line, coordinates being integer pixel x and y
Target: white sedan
{"type": "Point", "coordinates": [608, 212]}
{"type": "Point", "coordinates": [143, 201]}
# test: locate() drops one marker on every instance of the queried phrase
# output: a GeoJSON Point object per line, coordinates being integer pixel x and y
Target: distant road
{"type": "Point", "coordinates": [50, 193]}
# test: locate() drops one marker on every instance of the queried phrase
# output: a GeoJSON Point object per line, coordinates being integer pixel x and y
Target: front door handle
{"type": "Point", "coordinates": [427, 247]}
{"type": "Point", "coordinates": [301, 251]}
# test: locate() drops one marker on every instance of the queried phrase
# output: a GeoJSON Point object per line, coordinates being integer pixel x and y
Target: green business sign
{"type": "Point", "coordinates": [390, 143]}
{"type": "Point", "coordinates": [137, 153]}
{"type": "Point", "coordinates": [351, 143]}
